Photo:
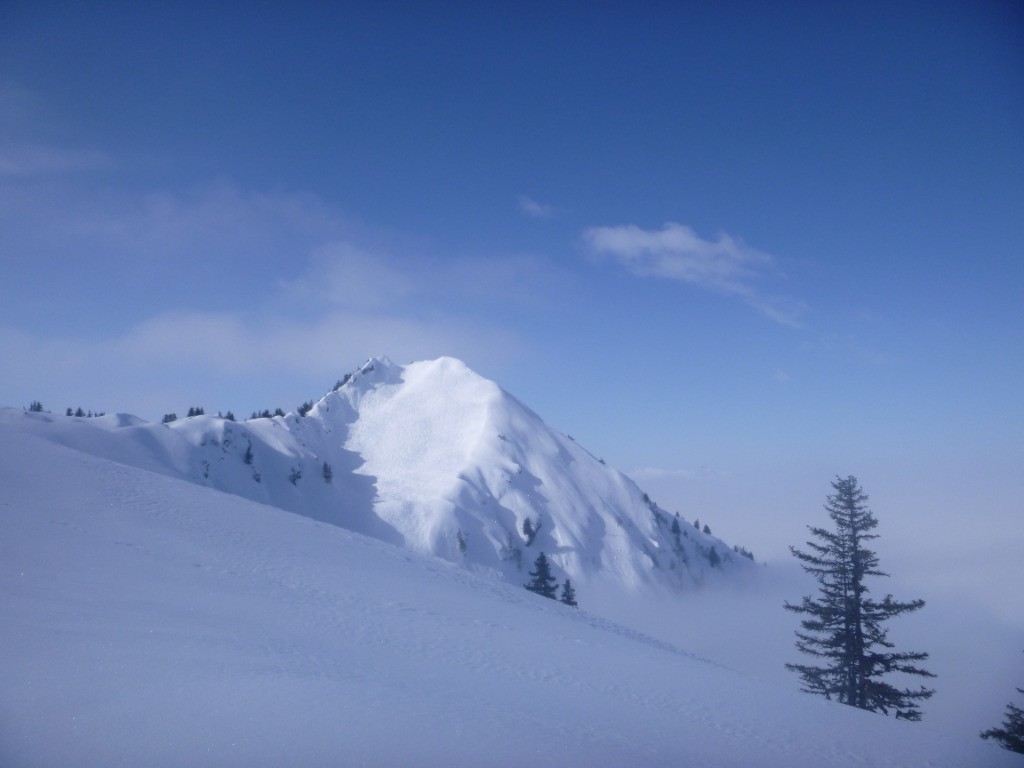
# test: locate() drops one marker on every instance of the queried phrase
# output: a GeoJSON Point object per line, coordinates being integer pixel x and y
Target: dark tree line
{"type": "Point", "coordinates": [265, 414]}
{"type": "Point", "coordinates": [83, 414]}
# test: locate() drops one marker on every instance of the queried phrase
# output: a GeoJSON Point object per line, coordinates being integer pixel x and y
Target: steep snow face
{"type": "Point", "coordinates": [431, 456]}
{"type": "Point", "coordinates": [460, 466]}
{"type": "Point", "coordinates": [416, 437]}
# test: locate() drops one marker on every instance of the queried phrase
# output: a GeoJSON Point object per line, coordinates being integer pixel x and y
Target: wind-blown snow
{"type": "Point", "coordinates": [151, 621]}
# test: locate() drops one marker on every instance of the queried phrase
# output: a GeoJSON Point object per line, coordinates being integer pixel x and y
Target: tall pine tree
{"type": "Point", "coordinates": [541, 580]}
{"type": "Point", "coordinates": [844, 627]}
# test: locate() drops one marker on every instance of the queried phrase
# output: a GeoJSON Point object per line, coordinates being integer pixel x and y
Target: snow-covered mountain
{"type": "Point", "coordinates": [433, 457]}
{"type": "Point", "coordinates": [148, 621]}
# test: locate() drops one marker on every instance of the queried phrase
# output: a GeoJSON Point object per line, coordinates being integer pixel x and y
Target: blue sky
{"type": "Point", "coordinates": [735, 251]}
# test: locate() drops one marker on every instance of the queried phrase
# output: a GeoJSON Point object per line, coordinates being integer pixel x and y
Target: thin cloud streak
{"type": "Point", "coordinates": [215, 357]}
{"type": "Point", "coordinates": [344, 275]}
{"type": "Point", "coordinates": [535, 210]}
{"type": "Point", "coordinates": [282, 292]}
{"type": "Point", "coordinates": [726, 266]}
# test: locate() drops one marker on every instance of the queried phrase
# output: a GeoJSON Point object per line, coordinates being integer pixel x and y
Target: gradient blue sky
{"type": "Point", "coordinates": [734, 250]}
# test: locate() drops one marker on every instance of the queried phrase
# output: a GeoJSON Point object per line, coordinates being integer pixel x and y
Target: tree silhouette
{"type": "Point", "coordinates": [541, 580]}
{"type": "Point", "coordinates": [844, 625]}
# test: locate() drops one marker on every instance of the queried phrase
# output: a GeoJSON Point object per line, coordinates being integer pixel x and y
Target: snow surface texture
{"type": "Point", "coordinates": [151, 621]}
{"type": "Point", "coordinates": [436, 458]}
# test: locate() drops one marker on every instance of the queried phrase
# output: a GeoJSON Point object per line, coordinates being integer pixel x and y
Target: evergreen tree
{"type": "Point", "coordinates": [35, 407]}
{"type": "Point", "coordinates": [328, 473]}
{"type": "Point", "coordinates": [541, 580]}
{"type": "Point", "coordinates": [1011, 735]}
{"type": "Point", "coordinates": [568, 594]}
{"type": "Point", "coordinates": [844, 626]}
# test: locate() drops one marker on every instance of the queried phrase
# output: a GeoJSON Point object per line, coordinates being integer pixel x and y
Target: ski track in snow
{"type": "Point", "coordinates": [149, 621]}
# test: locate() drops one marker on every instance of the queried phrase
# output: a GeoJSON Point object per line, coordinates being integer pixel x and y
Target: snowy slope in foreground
{"type": "Point", "coordinates": [431, 456]}
{"type": "Point", "coordinates": [150, 621]}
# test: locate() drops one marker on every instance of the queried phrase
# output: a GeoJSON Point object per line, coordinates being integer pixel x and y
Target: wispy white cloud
{"type": "Point", "coordinates": [536, 210]}
{"type": "Point", "coordinates": [212, 234]}
{"type": "Point", "coordinates": [224, 295]}
{"type": "Point", "coordinates": [676, 252]}
{"type": "Point", "coordinates": [727, 266]}
{"type": "Point", "coordinates": [230, 360]}
{"type": "Point", "coordinates": [342, 274]}
{"type": "Point", "coordinates": [229, 344]}
{"type": "Point", "coordinates": [282, 249]}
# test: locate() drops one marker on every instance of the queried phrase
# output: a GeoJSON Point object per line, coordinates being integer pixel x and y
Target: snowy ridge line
{"type": "Point", "coordinates": [435, 458]}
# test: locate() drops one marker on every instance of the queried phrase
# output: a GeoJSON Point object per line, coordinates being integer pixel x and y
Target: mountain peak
{"type": "Point", "coordinates": [459, 466]}
{"type": "Point", "coordinates": [441, 460]}
{"type": "Point", "coordinates": [379, 367]}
